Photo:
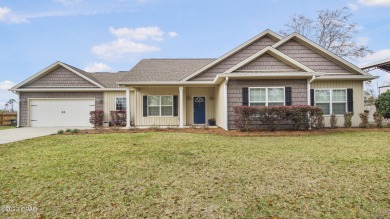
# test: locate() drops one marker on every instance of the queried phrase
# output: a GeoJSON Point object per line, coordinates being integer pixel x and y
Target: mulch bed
{"type": "Point", "coordinates": [237, 133]}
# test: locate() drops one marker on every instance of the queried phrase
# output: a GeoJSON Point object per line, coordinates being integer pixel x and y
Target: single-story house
{"type": "Point", "coordinates": [383, 65]}
{"type": "Point", "coordinates": [266, 70]}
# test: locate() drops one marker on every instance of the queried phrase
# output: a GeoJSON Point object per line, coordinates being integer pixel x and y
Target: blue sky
{"type": "Point", "coordinates": [114, 35]}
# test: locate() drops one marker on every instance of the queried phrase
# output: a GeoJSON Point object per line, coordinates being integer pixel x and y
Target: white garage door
{"type": "Point", "coordinates": [60, 112]}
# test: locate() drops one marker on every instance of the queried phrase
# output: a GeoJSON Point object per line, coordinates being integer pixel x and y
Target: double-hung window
{"type": "Point", "coordinates": [266, 96]}
{"type": "Point", "coordinates": [120, 103]}
{"type": "Point", "coordinates": [160, 105]}
{"type": "Point", "coordinates": [331, 101]}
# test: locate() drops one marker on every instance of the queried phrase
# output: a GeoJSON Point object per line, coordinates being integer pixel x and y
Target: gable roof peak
{"type": "Point", "coordinates": [273, 52]}
{"type": "Point", "coordinates": [53, 66]}
{"type": "Point", "coordinates": [312, 45]}
{"type": "Point", "coordinates": [266, 32]}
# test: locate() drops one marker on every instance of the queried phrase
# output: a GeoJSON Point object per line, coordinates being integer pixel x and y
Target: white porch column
{"type": "Point", "coordinates": [128, 107]}
{"type": "Point", "coordinates": [181, 106]}
{"type": "Point", "coordinates": [226, 104]}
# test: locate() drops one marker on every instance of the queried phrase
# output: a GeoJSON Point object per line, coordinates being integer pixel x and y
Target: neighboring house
{"type": "Point", "coordinates": [383, 65]}
{"type": "Point", "coordinates": [384, 88]}
{"type": "Point", "coordinates": [267, 70]}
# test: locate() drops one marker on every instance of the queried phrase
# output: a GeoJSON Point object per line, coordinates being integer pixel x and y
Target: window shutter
{"type": "Point", "coordinates": [350, 100]}
{"type": "Point", "coordinates": [175, 105]}
{"type": "Point", "coordinates": [245, 99]}
{"type": "Point", "coordinates": [145, 105]}
{"type": "Point", "coordinates": [312, 97]}
{"type": "Point", "coordinates": [287, 94]}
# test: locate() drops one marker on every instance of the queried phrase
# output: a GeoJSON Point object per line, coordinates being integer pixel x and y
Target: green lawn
{"type": "Point", "coordinates": [160, 174]}
{"type": "Point", "coordinates": [6, 127]}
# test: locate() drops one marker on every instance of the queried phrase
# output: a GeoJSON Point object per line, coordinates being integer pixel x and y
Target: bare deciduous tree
{"type": "Point", "coordinates": [10, 104]}
{"type": "Point", "coordinates": [331, 30]}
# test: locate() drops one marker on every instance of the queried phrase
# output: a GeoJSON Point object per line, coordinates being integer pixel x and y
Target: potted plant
{"type": "Point", "coordinates": [212, 122]}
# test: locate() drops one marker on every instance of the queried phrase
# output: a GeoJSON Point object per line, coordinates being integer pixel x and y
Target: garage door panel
{"type": "Point", "coordinates": [60, 112]}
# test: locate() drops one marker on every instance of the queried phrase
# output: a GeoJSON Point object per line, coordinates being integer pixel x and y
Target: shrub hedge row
{"type": "Point", "coordinates": [96, 118]}
{"type": "Point", "coordinates": [118, 117]}
{"type": "Point", "coordinates": [298, 117]}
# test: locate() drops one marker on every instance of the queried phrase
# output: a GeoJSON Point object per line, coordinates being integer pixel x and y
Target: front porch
{"type": "Point", "coordinates": [174, 106]}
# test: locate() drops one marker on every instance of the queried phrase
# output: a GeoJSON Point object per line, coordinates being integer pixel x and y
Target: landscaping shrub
{"type": "Point", "coordinates": [60, 132]}
{"type": "Point", "coordinates": [382, 104]}
{"type": "Point", "coordinates": [96, 118]}
{"type": "Point", "coordinates": [364, 117]}
{"type": "Point", "coordinates": [348, 119]}
{"type": "Point", "coordinates": [118, 118]}
{"type": "Point", "coordinates": [278, 117]}
{"type": "Point", "coordinates": [68, 130]}
{"type": "Point", "coordinates": [74, 131]}
{"type": "Point", "coordinates": [378, 119]}
{"type": "Point", "coordinates": [333, 121]}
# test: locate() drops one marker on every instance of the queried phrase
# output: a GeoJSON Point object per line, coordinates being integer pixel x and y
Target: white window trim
{"type": "Point", "coordinates": [266, 96]}
{"type": "Point", "coordinates": [331, 100]}
{"type": "Point", "coordinates": [160, 105]}
{"type": "Point", "coordinates": [116, 99]}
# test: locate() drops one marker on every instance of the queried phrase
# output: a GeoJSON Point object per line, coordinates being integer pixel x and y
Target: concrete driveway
{"type": "Point", "coordinates": [18, 134]}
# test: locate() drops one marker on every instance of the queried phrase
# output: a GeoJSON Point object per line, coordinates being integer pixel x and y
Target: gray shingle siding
{"type": "Point", "coordinates": [298, 87]}
{"type": "Point", "coordinates": [310, 58]}
{"type": "Point", "coordinates": [59, 78]}
{"type": "Point", "coordinates": [267, 63]}
{"type": "Point", "coordinates": [234, 59]}
{"type": "Point", "coordinates": [64, 95]}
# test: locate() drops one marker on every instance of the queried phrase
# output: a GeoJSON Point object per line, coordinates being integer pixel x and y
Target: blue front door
{"type": "Point", "coordinates": [199, 110]}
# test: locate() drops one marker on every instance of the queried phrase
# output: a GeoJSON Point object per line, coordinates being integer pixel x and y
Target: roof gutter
{"type": "Point", "coordinates": [65, 89]}
{"type": "Point", "coordinates": [168, 83]}
{"type": "Point", "coordinates": [352, 77]}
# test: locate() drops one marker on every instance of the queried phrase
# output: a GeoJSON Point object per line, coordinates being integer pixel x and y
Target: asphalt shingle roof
{"type": "Point", "coordinates": [164, 69]}
{"type": "Point", "coordinates": [107, 79]}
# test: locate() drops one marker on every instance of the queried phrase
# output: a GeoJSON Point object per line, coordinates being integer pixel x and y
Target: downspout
{"type": "Point", "coordinates": [309, 97]}
{"type": "Point", "coordinates": [18, 114]}
{"type": "Point", "coordinates": [226, 105]}
{"type": "Point", "coordinates": [308, 89]}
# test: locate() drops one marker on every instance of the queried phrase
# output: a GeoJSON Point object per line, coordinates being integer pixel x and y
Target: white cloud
{"type": "Point", "coordinates": [97, 67]}
{"type": "Point", "coordinates": [79, 8]}
{"type": "Point", "coordinates": [173, 34]}
{"type": "Point", "coordinates": [5, 85]}
{"type": "Point", "coordinates": [352, 6]}
{"type": "Point", "coordinates": [128, 42]}
{"type": "Point", "coordinates": [375, 2]}
{"type": "Point", "coordinates": [7, 16]}
{"type": "Point", "coordinates": [140, 34]}
{"type": "Point", "coordinates": [115, 50]}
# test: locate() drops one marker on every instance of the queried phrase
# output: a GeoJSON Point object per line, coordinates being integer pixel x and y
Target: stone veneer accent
{"type": "Point", "coordinates": [53, 95]}
{"type": "Point", "coordinates": [298, 90]}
